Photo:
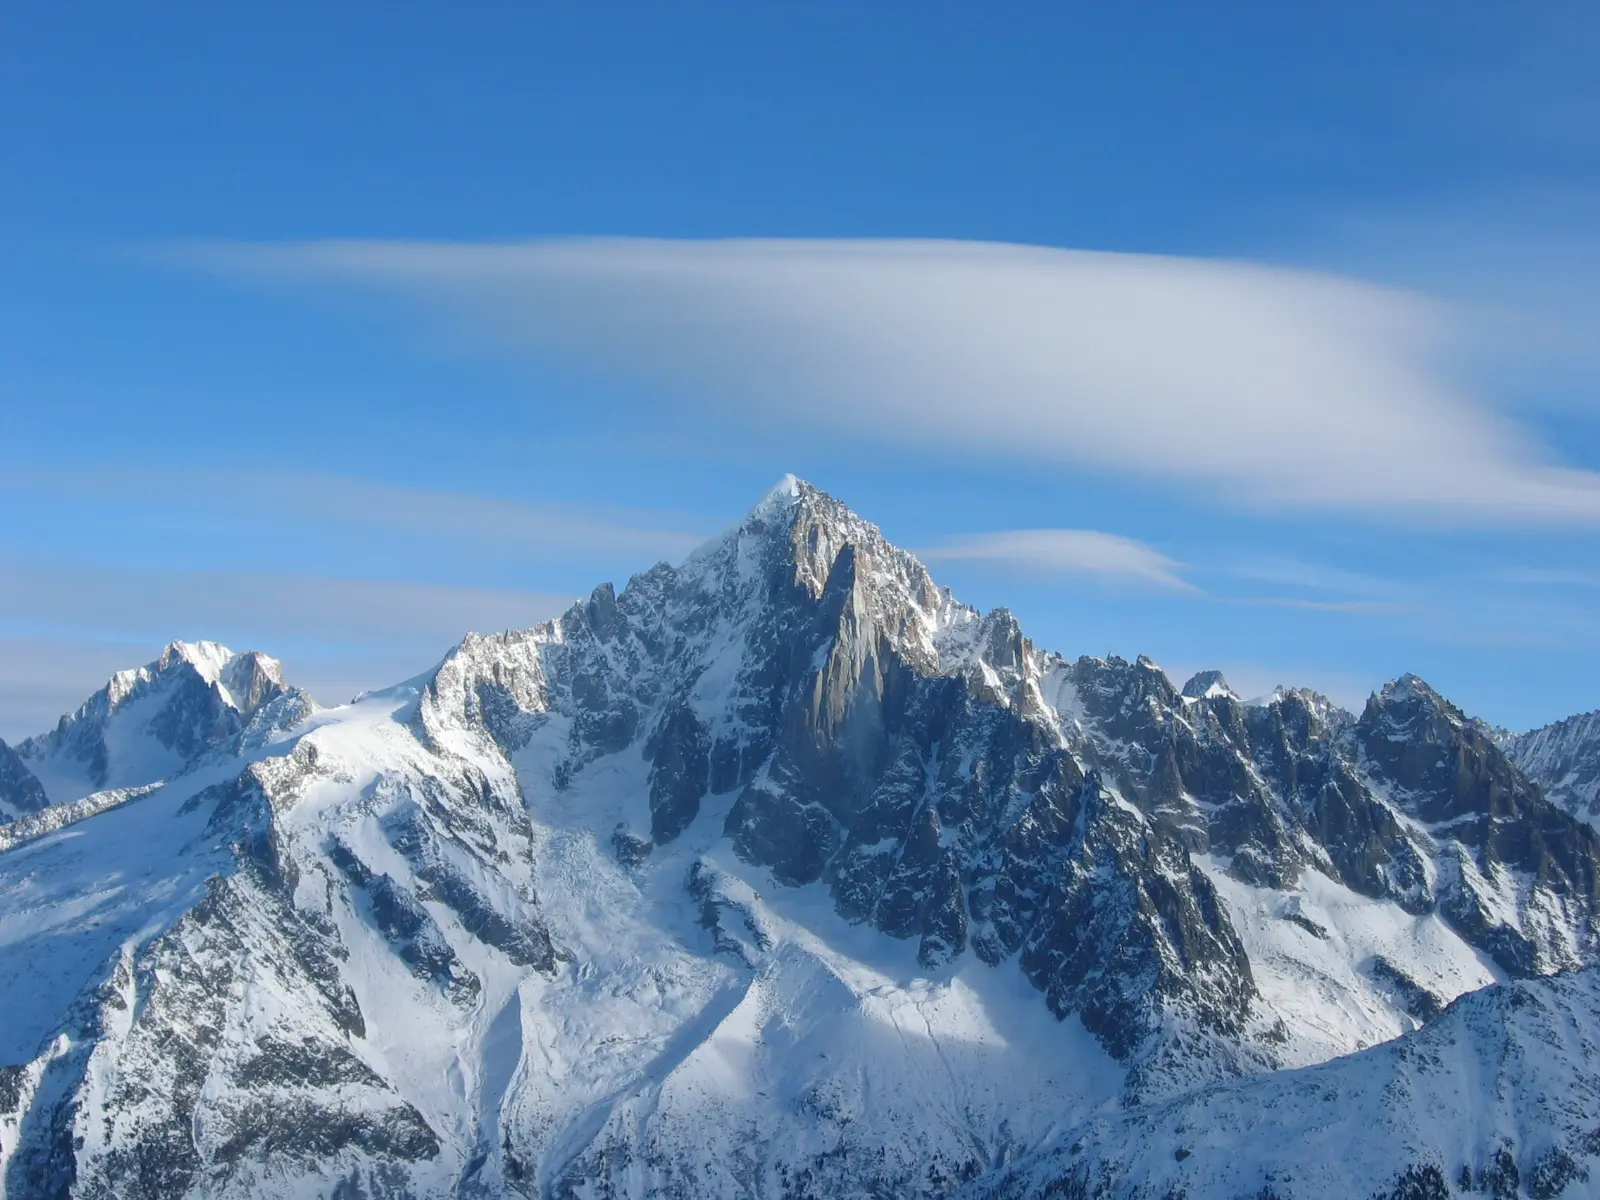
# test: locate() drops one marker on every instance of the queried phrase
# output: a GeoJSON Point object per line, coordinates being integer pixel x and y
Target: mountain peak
{"type": "Point", "coordinates": [782, 494]}
{"type": "Point", "coordinates": [801, 530]}
{"type": "Point", "coordinates": [1409, 687]}
{"type": "Point", "coordinates": [216, 663]}
{"type": "Point", "coordinates": [206, 657]}
{"type": "Point", "coordinates": [1564, 760]}
{"type": "Point", "coordinates": [792, 494]}
{"type": "Point", "coordinates": [148, 722]}
{"type": "Point", "coordinates": [1204, 685]}
{"type": "Point", "coordinates": [1411, 694]}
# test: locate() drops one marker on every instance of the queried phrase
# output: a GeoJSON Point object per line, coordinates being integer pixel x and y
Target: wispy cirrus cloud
{"type": "Point", "coordinates": [1083, 552]}
{"type": "Point", "coordinates": [164, 604]}
{"type": "Point", "coordinates": [1354, 607]}
{"type": "Point", "coordinates": [1315, 587]}
{"type": "Point", "coordinates": [316, 552]}
{"type": "Point", "coordinates": [1544, 577]}
{"type": "Point", "coordinates": [1316, 577]}
{"type": "Point", "coordinates": [65, 626]}
{"type": "Point", "coordinates": [1277, 388]}
{"type": "Point", "coordinates": [244, 496]}
{"type": "Point", "coordinates": [1521, 266]}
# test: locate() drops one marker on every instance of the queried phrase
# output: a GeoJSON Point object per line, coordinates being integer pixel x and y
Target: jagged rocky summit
{"type": "Point", "coordinates": [148, 723]}
{"type": "Point", "coordinates": [778, 873]}
{"type": "Point", "coordinates": [1208, 685]}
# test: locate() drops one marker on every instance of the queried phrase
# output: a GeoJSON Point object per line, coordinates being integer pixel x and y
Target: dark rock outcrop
{"type": "Point", "coordinates": [21, 792]}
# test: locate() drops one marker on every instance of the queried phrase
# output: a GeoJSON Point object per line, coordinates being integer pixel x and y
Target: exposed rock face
{"type": "Point", "coordinates": [1134, 932]}
{"type": "Point", "coordinates": [1513, 869]}
{"type": "Point", "coordinates": [1412, 802]}
{"type": "Point", "coordinates": [148, 723]}
{"type": "Point", "coordinates": [1564, 760]}
{"type": "Point", "coordinates": [20, 790]}
{"type": "Point", "coordinates": [565, 919]}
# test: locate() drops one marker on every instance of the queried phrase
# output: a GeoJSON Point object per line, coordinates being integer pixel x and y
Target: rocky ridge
{"type": "Point", "coordinates": [1564, 759]}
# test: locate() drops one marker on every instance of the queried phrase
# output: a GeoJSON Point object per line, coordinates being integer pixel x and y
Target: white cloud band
{"type": "Point", "coordinates": [1267, 386]}
{"type": "Point", "coordinates": [335, 636]}
{"type": "Point", "coordinates": [1070, 551]}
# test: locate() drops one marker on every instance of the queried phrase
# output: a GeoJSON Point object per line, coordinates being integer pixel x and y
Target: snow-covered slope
{"type": "Point", "coordinates": [1498, 1097]}
{"type": "Point", "coordinates": [149, 723]}
{"type": "Point", "coordinates": [778, 873]}
{"type": "Point", "coordinates": [1564, 760]}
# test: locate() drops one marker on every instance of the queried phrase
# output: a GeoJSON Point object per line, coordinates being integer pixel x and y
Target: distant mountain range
{"type": "Point", "coordinates": [781, 873]}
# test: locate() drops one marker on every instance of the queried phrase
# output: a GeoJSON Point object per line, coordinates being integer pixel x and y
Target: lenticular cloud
{"type": "Point", "coordinates": [1265, 386]}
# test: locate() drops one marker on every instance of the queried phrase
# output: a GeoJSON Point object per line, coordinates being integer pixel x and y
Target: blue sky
{"type": "Point", "coordinates": [1319, 407]}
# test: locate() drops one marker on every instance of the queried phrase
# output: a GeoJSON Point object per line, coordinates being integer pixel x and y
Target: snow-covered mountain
{"type": "Point", "coordinates": [1564, 760]}
{"type": "Point", "coordinates": [150, 723]}
{"type": "Point", "coordinates": [778, 873]}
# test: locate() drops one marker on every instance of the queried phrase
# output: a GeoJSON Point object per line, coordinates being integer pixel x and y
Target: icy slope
{"type": "Point", "coordinates": [148, 724]}
{"type": "Point", "coordinates": [1564, 760]}
{"type": "Point", "coordinates": [1500, 1097]}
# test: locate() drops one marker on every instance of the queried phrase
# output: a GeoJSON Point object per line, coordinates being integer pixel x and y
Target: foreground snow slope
{"type": "Point", "coordinates": [1499, 1096]}
{"type": "Point", "coordinates": [779, 873]}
